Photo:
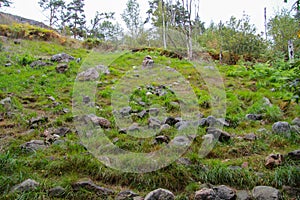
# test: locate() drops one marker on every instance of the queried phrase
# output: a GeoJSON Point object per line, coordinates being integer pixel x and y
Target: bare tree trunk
{"type": "Point", "coordinates": [291, 50]}
{"type": "Point", "coordinates": [164, 24]}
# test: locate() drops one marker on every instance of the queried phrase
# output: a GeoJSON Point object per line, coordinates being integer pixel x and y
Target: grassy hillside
{"type": "Point", "coordinates": [40, 92]}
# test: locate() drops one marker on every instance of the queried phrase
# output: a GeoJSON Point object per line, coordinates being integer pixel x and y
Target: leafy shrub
{"type": "Point", "coordinates": [25, 59]}
{"type": "Point", "coordinates": [91, 43]}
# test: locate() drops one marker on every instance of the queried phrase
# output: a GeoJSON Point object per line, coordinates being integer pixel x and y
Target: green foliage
{"type": "Point", "coordinates": [91, 43]}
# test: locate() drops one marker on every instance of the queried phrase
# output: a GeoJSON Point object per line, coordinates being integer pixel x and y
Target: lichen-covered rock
{"type": "Point", "coordinates": [160, 194]}
{"type": "Point", "coordinates": [283, 128]}
{"type": "Point", "coordinates": [27, 185]}
{"type": "Point", "coordinates": [62, 57]}
{"type": "Point", "coordinates": [273, 160]}
{"type": "Point", "coordinates": [266, 193]}
{"type": "Point", "coordinates": [224, 192]}
{"type": "Point", "coordinates": [206, 194]}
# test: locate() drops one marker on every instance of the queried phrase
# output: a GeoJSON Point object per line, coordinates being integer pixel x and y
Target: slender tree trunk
{"type": "Point", "coordinates": [163, 24]}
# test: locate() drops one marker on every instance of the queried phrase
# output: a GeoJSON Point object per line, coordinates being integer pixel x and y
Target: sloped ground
{"type": "Point", "coordinates": [36, 104]}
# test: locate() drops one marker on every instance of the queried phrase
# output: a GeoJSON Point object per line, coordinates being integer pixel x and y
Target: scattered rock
{"type": "Point", "coordinates": [133, 127]}
{"type": "Point", "coordinates": [224, 192]}
{"type": "Point", "coordinates": [273, 160]}
{"type": "Point", "coordinates": [147, 62]}
{"type": "Point", "coordinates": [214, 122]}
{"type": "Point", "coordinates": [267, 102]}
{"type": "Point", "coordinates": [33, 145]}
{"type": "Point", "coordinates": [126, 195]}
{"type": "Point", "coordinates": [181, 141]}
{"type": "Point", "coordinates": [153, 111]}
{"type": "Point", "coordinates": [154, 123]}
{"type": "Point", "coordinates": [250, 137]}
{"type": "Point", "coordinates": [86, 99]}
{"type": "Point", "coordinates": [27, 185]}
{"type": "Point", "coordinates": [171, 121]}
{"type": "Point", "coordinates": [62, 131]}
{"type": "Point", "coordinates": [254, 117]}
{"type": "Point", "coordinates": [296, 121]}
{"type": "Point", "coordinates": [7, 65]}
{"type": "Point", "coordinates": [294, 155]}
{"type": "Point", "coordinates": [164, 127]}
{"type": "Point", "coordinates": [98, 121]}
{"type": "Point", "coordinates": [142, 114]}
{"type": "Point", "coordinates": [90, 186]}
{"type": "Point", "coordinates": [206, 194]}
{"type": "Point", "coordinates": [160, 194]}
{"type": "Point", "coordinates": [161, 139]}
{"type": "Point", "coordinates": [17, 41]}
{"type": "Point", "coordinates": [103, 69]}
{"type": "Point", "coordinates": [56, 192]}
{"type": "Point", "coordinates": [266, 193]}
{"type": "Point", "coordinates": [62, 57]}
{"type": "Point", "coordinates": [62, 68]}
{"type": "Point", "coordinates": [295, 129]}
{"type": "Point", "coordinates": [282, 128]}
{"type": "Point", "coordinates": [217, 133]}
{"type": "Point", "coordinates": [34, 122]}
{"type": "Point", "coordinates": [51, 98]}
{"type": "Point", "coordinates": [40, 63]}
{"type": "Point", "coordinates": [123, 131]}
{"type": "Point", "coordinates": [90, 74]}
{"type": "Point", "coordinates": [125, 111]}
{"type": "Point", "coordinates": [243, 195]}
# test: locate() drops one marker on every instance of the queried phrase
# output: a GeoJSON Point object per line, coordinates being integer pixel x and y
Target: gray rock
{"type": "Point", "coordinates": [184, 161]}
{"type": "Point", "coordinates": [98, 121]}
{"type": "Point", "coordinates": [33, 145]}
{"type": "Point", "coordinates": [160, 194]}
{"type": "Point", "coordinates": [254, 117]}
{"type": "Point", "coordinates": [6, 101]}
{"type": "Point", "coordinates": [62, 131]}
{"type": "Point", "coordinates": [133, 127]}
{"type": "Point", "coordinates": [153, 111]}
{"type": "Point", "coordinates": [292, 192]}
{"type": "Point", "coordinates": [206, 194]}
{"type": "Point", "coordinates": [142, 114]}
{"type": "Point", "coordinates": [125, 111]}
{"type": "Point", "coordinates": [273, 160]}
{"type": "Point", "coordinates": [267, 102]}
{"type": "Point", "coordinates": [214, 122]}
{"type": "Point", "coordinates": [90, 186]}
{"type": "Point", "coordinates": [90, 74]}
{"type": "Point", "coordinates": [36, 121]}
{"type": "Point", "coordinates": [295, 129]}
{"type": "Point", "coordinates": [103, 69]}
{"type": "Point", "coordinates": [126, 195]}
{"type": "Point", "coordinates": [162, 139]}
{"type": "Point", "coordinates": [266, 193]}
{"type": "Point", "coordinates": [164, 127]}
{"type": "Point", "coordinates": [147, 62]}
{"type": "Point", "coordinates": [250, 137]}
{"type": "Point", "coordinates": [62, 68]}
{"type": "Point", "coordinates": [86, 99]}
{"type": "Point", "coordinates": [243, 195]}
{"type": "Point", "coordinates": [181, 141]}
{"type": "Point", "coordinates": [296, 121]}
{"type": "Point", "coordinates": [62, 57]}
{"type": "Point", "coordinates": [217, 133]}
{"type": "Point", "coordinates": [224, 192]}
{"type": "Point", "coordinates": [56, 192]}
{"type": "Point", "coordinates": [27, 185]}
{"type": "Point", "coordinates": [171, 121]}
{"type": "Point", "coordinates": [39, 63]}
{"type": "Point", "coordinates": [282, 128]}
{"type": "Point", "coordinates": [7, 65]}
{"type": "Point", "coordinates": [154, 123]}
{"type": "Point", "coordinates": [294, 155]}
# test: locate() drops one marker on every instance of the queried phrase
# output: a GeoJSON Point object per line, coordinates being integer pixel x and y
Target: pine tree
{"type": "Point", "coordinates": [54, 7]}
{"type": "Point", "coordinates": [75, 18]}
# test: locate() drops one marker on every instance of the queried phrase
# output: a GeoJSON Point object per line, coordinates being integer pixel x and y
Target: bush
{"type": "Point", "coordinates": [91, 43]}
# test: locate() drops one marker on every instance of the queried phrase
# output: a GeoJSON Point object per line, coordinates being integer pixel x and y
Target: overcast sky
{"type": "Point", "coordinates": [210, 10]}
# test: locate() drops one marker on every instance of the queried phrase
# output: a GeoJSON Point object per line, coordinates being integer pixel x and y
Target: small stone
{"type": "Point", "coordinates": [147, 62]}
{"type": "Point", "coordinates": [273, 160]}
{"type": "Point", "coordinates": [184, 161]}
{"type": "Point", "coordinates": [224, 192]}
{"type": "Point", "coordinates": [123, 131]}
{"type": "Point", "coordinates": [266, 193]}
{"type": "Point", "coordinates": [142, 114]}
{"type": "Point", "coordinates": [171, 121]}
{"type": "Point", "coordinates": [62, 57]}
{"type": "Point", "coordinates": [206, 194]}
{"type": "Point", "coordinates": [217, 133]}
{"type": "Point", "coordinates": [181, 141]}
{"type": "Point", "coordinates": [282, 128]}
{"type": "Point", "coordinates": [98, 121]}
{"type": "Point", "coordinates": [153, 111]}
{"type": "Point", "coordinates": [154, 123]}
{"type": "Point", "coordinates": [62, 68]}
{"type": "Point", "coordinates": [133, 127]}
{"type": "Point", "coordinates": [292, 192]}
{"type": "Point", "coordinates": [17, 41]}
{"type": "Point", "coordinates": [164, 127]}
{"type": "Point", "coordinates": [56, 192]}
{"type": "Point", "coordinates": [160, 194]}
{"type": "Point", "coordinates": [86, 99]}
{"type": "Point", "coordinates": [90, 74]}
{"type": "Point", "coordinates": [62, 131]}
{"type": "Point", "coordinates": [90, 186]}
{"type": "Point", "coordinates": [254, 116]}
{"type": "Point", "coordinates": [125, 111]}
{"type": "Point", "coordinates": [296, 121]}
{"type": "Point", "coordinates": [33, 145]}
{"type": "Point", "coordinates": [126, 195]}
{"type": "Point", "coordinates": [7, 65]}
{"type": "Point", "coordinates": [250, 137]}
{"type": "Point", "coordinates": [267, 101]}
{"type": "Point", "coordinates": [27, 185]}
{"type": "Point", "coordinates": [162, 139]}
{"type": "Point", "coordinates": [51, 98]}
{"type": "Point", "coordinates": [39, 63]}
{"type": "Point", "coordinates": [294, 155]}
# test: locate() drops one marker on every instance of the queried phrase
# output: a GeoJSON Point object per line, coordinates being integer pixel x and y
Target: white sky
{"type": "Point", "coordinates": [210, 10]}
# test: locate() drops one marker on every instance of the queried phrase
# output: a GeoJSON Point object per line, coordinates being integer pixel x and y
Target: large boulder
{"type": "Point", "coordinates": [160, 194]}
{"type": "Point", "coordinates": [266, 193]}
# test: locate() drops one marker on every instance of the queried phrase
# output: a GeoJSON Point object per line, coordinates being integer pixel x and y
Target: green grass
{"type": "Point", "coordinates": [65, 163]}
